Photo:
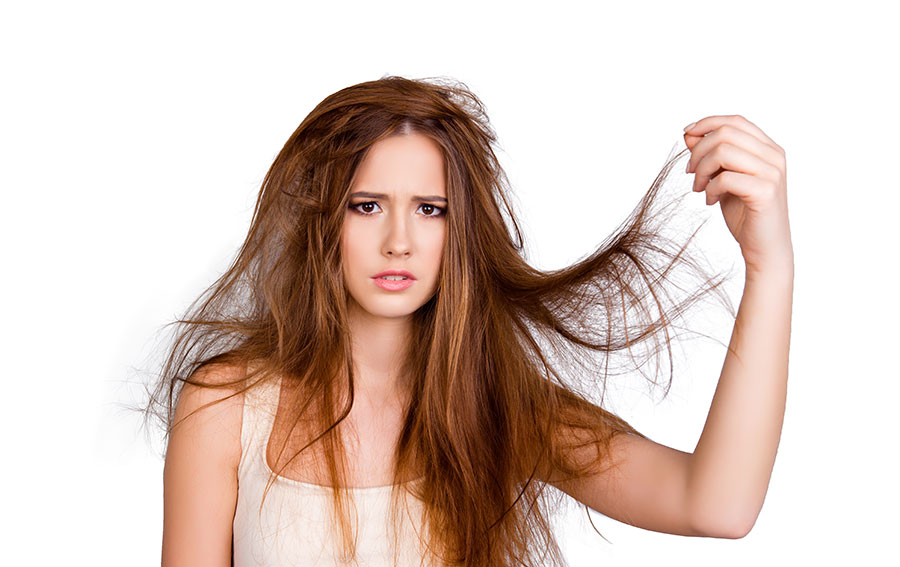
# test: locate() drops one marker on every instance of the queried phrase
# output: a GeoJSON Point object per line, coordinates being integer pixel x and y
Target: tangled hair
{"type": "Point", "coordinates": [506, 358]}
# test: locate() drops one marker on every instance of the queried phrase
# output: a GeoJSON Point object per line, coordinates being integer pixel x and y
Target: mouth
{"type": "Point", "coordinates": [394, 275]}
{"type": "Point", "coordinates": [394, 280]}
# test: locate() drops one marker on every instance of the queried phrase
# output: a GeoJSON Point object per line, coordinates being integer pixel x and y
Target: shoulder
{"type": "Point", "coordinates": [200, 473]}
{"type": "Point", "coordinates": [208, 413]}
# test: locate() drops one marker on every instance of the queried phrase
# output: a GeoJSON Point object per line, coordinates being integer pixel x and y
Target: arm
{"type": "Point", "coordinates": [200, 476]}
{"type": "Point", "coordinates": [719, 489]}
{"type": "Point", "coordinates": [743, 170]}
{"type": "Point", "coordinates": [732, 463]}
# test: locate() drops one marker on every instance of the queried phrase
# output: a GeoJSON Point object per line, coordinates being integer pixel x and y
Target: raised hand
{"type": "Point", "coordinates": [741, 168]}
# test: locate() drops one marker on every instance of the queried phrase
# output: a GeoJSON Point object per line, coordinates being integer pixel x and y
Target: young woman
{"type": "Point", "coordinates": [380, 377]}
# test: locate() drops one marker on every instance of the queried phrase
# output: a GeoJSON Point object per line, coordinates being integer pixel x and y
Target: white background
{"type": "Point", "coordinates": [134, 138]}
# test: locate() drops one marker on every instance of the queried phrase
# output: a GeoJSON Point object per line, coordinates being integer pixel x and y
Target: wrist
{"type": "Point", "coordinates": [775, 269]}
{"type": "Point", "coordinates": [775, 275]}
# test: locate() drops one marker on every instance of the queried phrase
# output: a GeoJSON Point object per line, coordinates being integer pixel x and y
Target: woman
{"type": "Point", "coordinates": [381, 377]}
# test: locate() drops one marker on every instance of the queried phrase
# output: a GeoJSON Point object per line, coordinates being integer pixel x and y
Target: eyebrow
{"type": "Point", "coordinates": [416, 198]}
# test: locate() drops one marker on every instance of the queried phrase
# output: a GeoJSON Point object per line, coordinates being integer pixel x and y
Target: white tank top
{"type": "Point", "coordinates": [295, 525]}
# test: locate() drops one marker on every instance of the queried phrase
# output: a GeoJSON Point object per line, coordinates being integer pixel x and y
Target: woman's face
{"type": "Point", "coordinates": [396, 221]}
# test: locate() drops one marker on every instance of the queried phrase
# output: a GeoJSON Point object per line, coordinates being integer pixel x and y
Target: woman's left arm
{"type": "Point", "coordinates": [741, 168]}
{"type": "Point", "coordinates": [718, 490]}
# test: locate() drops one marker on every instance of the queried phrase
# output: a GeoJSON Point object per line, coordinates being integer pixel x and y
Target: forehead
{"type": "Point", "coordinates": [402, 164]}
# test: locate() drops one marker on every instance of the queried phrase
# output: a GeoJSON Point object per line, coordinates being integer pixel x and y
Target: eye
{"type": "Point", "coordinates": [364, 208]}
{"type": "Point", "coordinates": [432, 210]}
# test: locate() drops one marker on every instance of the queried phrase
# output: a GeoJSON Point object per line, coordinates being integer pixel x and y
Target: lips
{"type": "Point", "coordinates": [394, 284]}
{"type": "Point", "coordinates": [403, 273]}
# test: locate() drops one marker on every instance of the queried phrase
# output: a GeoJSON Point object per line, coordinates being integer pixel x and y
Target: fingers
{"type": "Point", "coordinates": [729, 158]}
{"type": "Point", "coordinates": [722, 144]}
{"type": "Point", "coordinates": [738, 184]}
{"type": "Point", "coordinates": [710, 123]}
{"type": "Point", "coordinates": [729, 134]}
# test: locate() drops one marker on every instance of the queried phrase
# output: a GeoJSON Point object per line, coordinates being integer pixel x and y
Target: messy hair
{"type": "Point", "coordinates": [507, 358]}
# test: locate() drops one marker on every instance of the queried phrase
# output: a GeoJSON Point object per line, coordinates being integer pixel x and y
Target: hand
{"type": "Point", "coordinates": [744, 170]}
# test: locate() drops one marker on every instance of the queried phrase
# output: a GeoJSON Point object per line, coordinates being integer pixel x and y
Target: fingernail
{"type": "Point", "coordinates": [687, 168]}
{"type": "Point", "coordinates": [689, 126]}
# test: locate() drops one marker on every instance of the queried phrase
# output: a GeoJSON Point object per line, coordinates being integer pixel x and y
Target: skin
{"type": "Point", "coordinates": [388, 226]}
{"type": "Point", "coordinates": [742, 169]}
{"type": "Point", "coordinates": [393, 231]}
{"type": "Point", "coordinates": [718, 490]}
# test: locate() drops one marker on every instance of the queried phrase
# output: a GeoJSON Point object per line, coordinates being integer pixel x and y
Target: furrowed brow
{"type": "Point", "coordinates": [416, 198]}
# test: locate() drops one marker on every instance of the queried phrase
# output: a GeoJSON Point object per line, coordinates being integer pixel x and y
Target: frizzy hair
{"type": "Point", "coordinates": [506, 356]}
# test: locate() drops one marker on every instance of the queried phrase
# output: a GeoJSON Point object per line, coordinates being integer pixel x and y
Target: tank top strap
{"type": "Point", "coordinates": [260, 407]}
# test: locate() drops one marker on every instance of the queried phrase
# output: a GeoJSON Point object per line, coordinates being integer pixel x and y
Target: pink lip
{"type": "Point", "coordinates": [403, 273]}
{"type": "Point", "coordinates": [393, 285]}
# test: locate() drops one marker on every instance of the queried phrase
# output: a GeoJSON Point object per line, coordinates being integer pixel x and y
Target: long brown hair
{"type": "Point", "coordinates": [507, 357]}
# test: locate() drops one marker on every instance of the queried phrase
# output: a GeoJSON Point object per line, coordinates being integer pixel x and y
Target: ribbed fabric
{"type": "Point", "coordinates": [294, 527]}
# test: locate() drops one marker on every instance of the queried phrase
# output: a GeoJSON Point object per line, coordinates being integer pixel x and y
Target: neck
{"type": "Point", "coordinates": [379, 346]}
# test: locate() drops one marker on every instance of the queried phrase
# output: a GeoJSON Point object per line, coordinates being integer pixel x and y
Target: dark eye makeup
{"type": "Point", "coordinates": [364, 208]}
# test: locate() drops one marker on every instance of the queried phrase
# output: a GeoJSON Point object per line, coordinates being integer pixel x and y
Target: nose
{"type": "Point", "coordinates": [397, 241]}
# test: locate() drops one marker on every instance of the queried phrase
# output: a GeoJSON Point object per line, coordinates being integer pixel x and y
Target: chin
{"type": "Point", "coordinates": [385, 309]}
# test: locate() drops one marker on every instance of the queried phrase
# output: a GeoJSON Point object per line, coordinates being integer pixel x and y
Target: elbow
{"type": "Point", "coordinates": [731, 526]}
{"type": "Point", "coordinates": [734, 530]}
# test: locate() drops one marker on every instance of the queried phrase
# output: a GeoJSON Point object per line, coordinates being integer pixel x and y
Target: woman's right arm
{"type": "Point", "coordinates": [200, 474]}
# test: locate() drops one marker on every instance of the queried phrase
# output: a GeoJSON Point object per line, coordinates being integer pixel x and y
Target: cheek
{"type": "Point", "coordinates": [347, 252]}
{"type": "Point", "coordinates": [436, 247]}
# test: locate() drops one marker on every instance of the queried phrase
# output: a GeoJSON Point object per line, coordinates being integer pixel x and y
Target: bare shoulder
{"type": "Point", "coordinates": [200, 473]}
{"type": "Point", "coordinates": [214, 408]}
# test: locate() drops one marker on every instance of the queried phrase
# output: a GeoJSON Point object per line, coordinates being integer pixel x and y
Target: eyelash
{"type": "Point", "coordinates": [355, 207]}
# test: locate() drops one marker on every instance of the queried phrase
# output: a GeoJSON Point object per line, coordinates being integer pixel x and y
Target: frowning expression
{"type": "Point", "coordinates": [395, 222]}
